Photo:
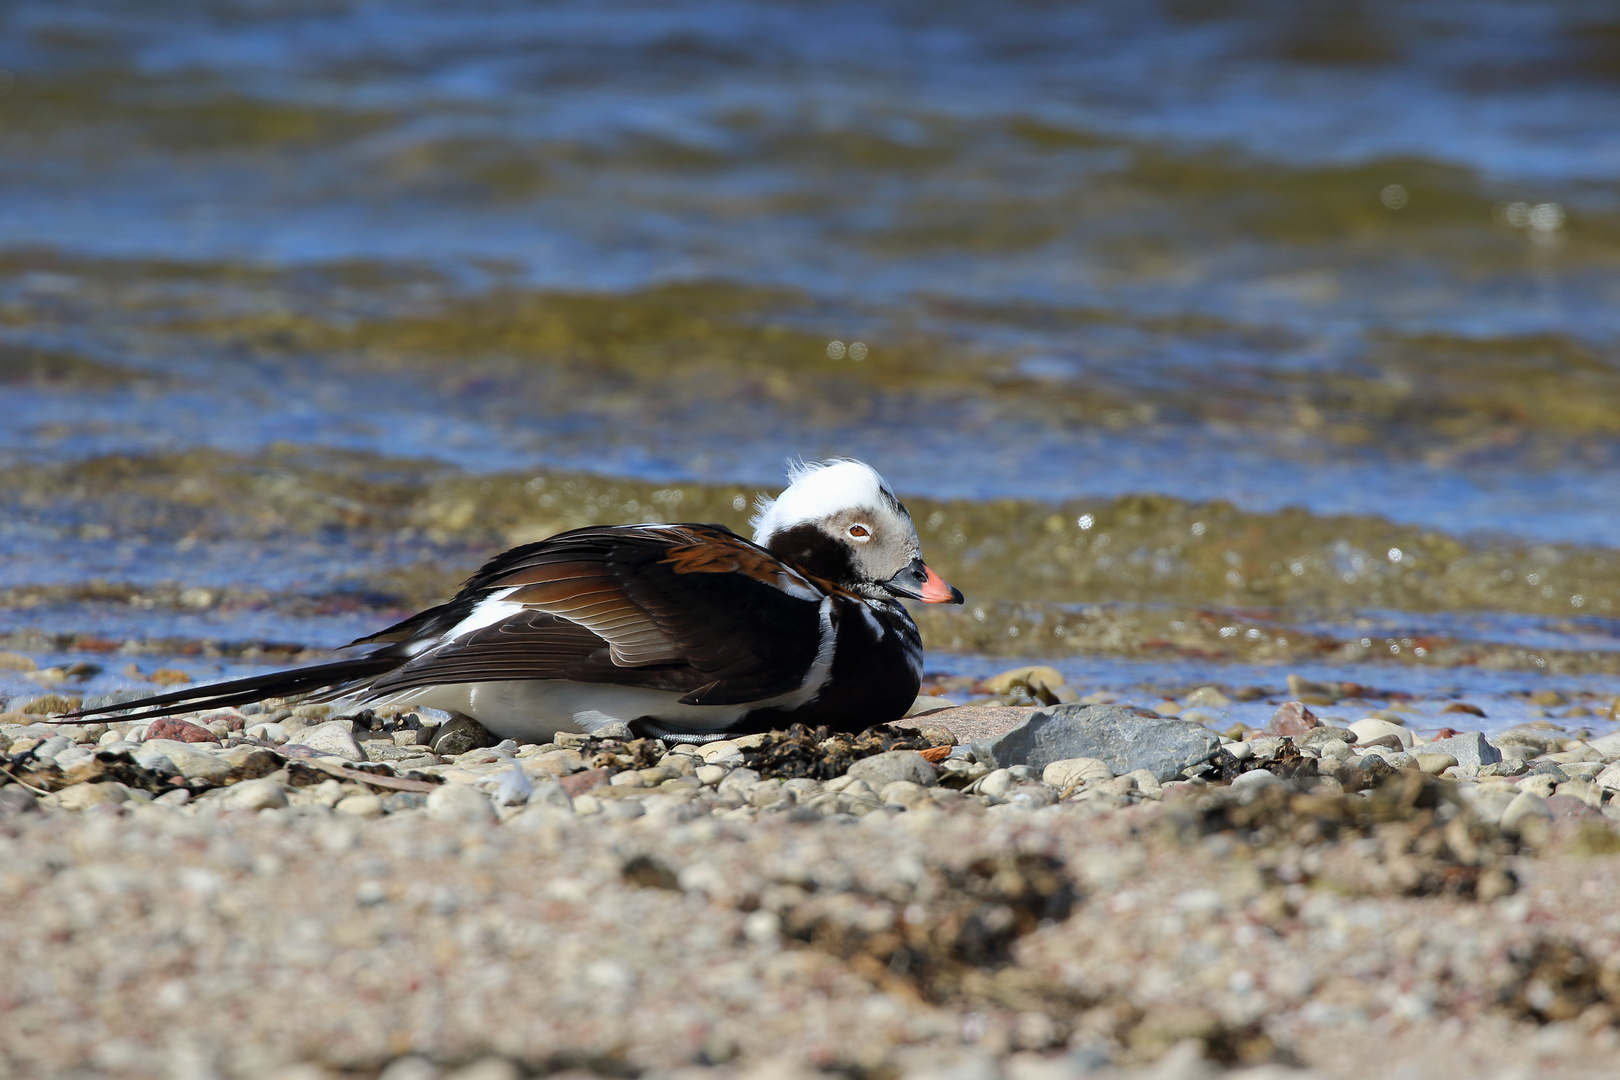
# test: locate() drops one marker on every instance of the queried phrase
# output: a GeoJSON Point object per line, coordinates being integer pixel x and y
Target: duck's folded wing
{"type": "Point", "coordinates": [690, 608]}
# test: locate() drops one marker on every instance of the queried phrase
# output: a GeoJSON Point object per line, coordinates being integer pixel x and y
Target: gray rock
{"type": "Point", "coordinates": [458, 802]}
{"type": "Point", "coordinates": [1325, 733]}
{"type": "Point", "coordinates": [404, 800]}
{"type": "Point", "coordinates": [1256, 779]}
{"type": "Point", "coordinates": [260, 794]}
{"type": "Point", "coordinates": [996, 784]}
{"type": "Point", "coordinates": [81, 797]}
{"type": "Point", "coordinates": [377, 750]}
{"type": "Point", "coordinates": [155, 760]}
{"type": "Point", "coordinates": [882, 770]}
{"type": "Point", "coordinates": [188, 762]}
{"type": "Point", "coordinates": [117, 697]}
{"type": "Point", "coordinates": [1122, 739]}
{"type": "Point", "coordinates": [1075, 771]}
{"type": "Point", "coordinates": [1030, 794]}
{"type": "Point", "coordinates": [459, 735]}
{"type": "Point", "coordinates": [16, 799]}
{"type": "Point", "coordinates": [1607, 745]}
{"type": "Point", "coordinates": [1469, 748]}
{"type": "Point", "coordinates": [1525, 805]}
{"type": "Point", "coordinates": [332, 738]}
{"type": "Point", "coordinates": [52, 746]}
{"type": "Point", "coordinates": [738, 782]}
{"type": "Point", "coordinates": [549, 792]}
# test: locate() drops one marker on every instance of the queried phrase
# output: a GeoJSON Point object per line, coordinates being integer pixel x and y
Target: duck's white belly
{"type": "Point", "coordinates": [533, 710]}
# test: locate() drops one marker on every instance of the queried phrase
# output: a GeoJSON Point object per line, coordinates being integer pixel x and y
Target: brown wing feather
{"type": "Point", "coordinates": [693, 608]}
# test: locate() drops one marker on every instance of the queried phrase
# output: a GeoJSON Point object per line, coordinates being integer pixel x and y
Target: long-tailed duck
{"type": "Point", "coordinates": [688, 632]}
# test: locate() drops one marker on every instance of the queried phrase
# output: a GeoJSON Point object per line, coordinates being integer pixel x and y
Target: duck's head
{"type": "Point", "coordinates": [838, 520]}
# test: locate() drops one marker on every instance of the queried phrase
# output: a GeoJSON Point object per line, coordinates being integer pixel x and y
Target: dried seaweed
{"type": "Point", "coordinates": [822, 754]}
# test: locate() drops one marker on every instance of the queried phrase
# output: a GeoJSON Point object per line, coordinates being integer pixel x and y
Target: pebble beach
{"type": "Point", "coordinates": [1250, 367]}
{"type": "Point", "coordinates": [284, 891]}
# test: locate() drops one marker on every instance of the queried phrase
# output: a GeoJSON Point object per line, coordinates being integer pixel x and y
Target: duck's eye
{"type": "Point", "coordinates": [860, 532]}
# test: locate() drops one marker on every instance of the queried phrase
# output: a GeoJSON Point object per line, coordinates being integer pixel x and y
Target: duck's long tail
{"type": "Point", "coordinates": [338, 674]}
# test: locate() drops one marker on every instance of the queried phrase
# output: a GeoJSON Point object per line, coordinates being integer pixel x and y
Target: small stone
{"type": "Point", "coordinates": [51, 704]}
{"type": "Point", "coordinates": [388, 751]}
{"type": "Point", "coordinates": [1207, 697]}
{"type": "Point", "coordinates": [1032, 794]}
{"type": "Point", "coordinates": [507, 787]}
{"type": "Point", "coordinates": [1432, 763]}
{"type": "Point", "coordinates": [1071, 772]}
{"type": "Point", "coordinates": [549, 793]}
{"type": "Point", "coordinates": [711, 775]}
{"type": "Point", "coordinates": [410, 1067]}
{"type": "Point", "coordinates": [10, 661]}
{"type": "Point", "coordinates": [1325, 733]}
{"type": "Point", "coordinates": [1371, 728]}
{"type": "Point", "coordinates": [1584, 790]}
{"type": "Point", "coordinates": [170, 727]}
{"type": "Point", "coordinates": [274, 734]}
{"type": "Point", "coordinates": [881, 770]}
{"type": "Point", "coordinates": [623, 809]}
{"type": "Point", "coordinates": [52, 746]}
{"type": "Point", "coordinates": [1333, 749]}
{"type": "Point", "coordinates": [193, 764]}
{"type": "Point", "coordinates": [1540, 783]}
{"type": "Point", "coordinates": [927, 703]}
{"type": "Point", "coordinates": [1324, 693]}
{"type": "Point", "coordinates": [1292, 719]}
{"type": "Point", "coordinates": [553, 763]}
{"type": "Point", "coordinates": [1525, 805]}
{"type": "Point", "coordinates": [1609, 778]}
{"type": "Point", "coordinates": [72, 756]}
{"type": "Point", "coordinates": [490, 1068]}
{"type": "Point", "coordinates": [1266, 747]}
{"type": "Point", "coordinates": [459, 735]}
{"type": "Point", "coordinates": [81, 797]}
{"type": "Point", "coordinates": [903, 793]}
{"type": "Point", "coordinates": [1044, 684]}
{"type": "Point", "coordinates": [363, 806]}
{"type": "Point", "coordinates": [16, 799]}
{"type": "Point", "coordinates": [719, 750]}
{"type": "Point", "coordinates": [627, 779]}
{"type": "Point", "coordinates": [1464, 707]}
{"type": "Point", "coordinates": [1469, 748]}
{"type": "Point", "coordinates": [458, 802]}
{"type": "Point", "coordinates": [260, 794]}
{"type": "Point", "coordinates": [333, 739]}
{"type": "Point", "coordinates": [1607, 745]}
{"type": "Point", "coordinates": [997, 783]}
{"type": "Point", "coordinates": [1255, 779]}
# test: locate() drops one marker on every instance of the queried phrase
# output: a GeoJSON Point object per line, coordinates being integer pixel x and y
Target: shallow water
{"type": "Point", "coordinates": [296, 298]}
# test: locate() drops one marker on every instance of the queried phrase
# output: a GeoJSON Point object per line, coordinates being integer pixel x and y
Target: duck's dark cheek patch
{"type": "Point", "coordinates": [813, 551]}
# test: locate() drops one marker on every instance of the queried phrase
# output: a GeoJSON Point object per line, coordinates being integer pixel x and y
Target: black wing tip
{"type": "Point", "coordinates": [235, 692]}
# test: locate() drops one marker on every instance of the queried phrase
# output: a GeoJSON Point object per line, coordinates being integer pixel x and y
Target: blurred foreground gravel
{"type": "Point", "coordinates": [301, 944]}
{"type": "Point", "coordinates": [283, 894]}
